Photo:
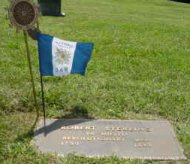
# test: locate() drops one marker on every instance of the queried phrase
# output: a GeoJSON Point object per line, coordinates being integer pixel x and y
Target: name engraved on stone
{"type": "Point", "coordinates": [77, 128]}
{"type": "Point", "coordinates": [129, 129]}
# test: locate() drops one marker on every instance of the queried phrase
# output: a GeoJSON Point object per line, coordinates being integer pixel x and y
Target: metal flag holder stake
{"type": "Point", "coordinates": [43, 102]}
{"type": "Point", "coordinates": [23, 14]}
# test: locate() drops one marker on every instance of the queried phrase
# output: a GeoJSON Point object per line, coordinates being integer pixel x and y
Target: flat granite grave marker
{"type": "Point", "coordinates": [151, 140]}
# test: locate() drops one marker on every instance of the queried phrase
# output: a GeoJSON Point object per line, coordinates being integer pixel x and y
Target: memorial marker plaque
{"type": "Point", "coordinates": [152, 140]}
{"type": "Point", "coordinates": [50, 7]}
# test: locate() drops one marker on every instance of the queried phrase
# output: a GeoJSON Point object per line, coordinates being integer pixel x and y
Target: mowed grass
{"type": "Point", "coordinates": [140, 69]}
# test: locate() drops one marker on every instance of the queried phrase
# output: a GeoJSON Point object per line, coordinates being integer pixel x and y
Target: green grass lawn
{"type": "Point", "coordinates": [140, 69]}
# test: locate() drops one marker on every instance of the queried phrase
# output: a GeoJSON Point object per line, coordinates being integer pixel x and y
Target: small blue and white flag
{"type": "Point", "coordinates": [59, 57]}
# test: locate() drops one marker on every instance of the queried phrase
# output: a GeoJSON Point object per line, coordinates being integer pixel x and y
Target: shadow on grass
{"type": "Point", "coordinates": [77, 112]}
{"type": "Point", "coordinates": [29, 134]}
{"type": "Point", "coordinates": [183, 1]}
{"type": "Point", "coordinates": [77, 115]}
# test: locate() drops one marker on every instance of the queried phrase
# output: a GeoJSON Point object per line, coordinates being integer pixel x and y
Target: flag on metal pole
{"type": "Point", "coordinates": [60, 57]}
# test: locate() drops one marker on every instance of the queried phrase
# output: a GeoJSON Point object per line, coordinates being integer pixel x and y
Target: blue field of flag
{"type": "Point", "coordinates": [59, 57]}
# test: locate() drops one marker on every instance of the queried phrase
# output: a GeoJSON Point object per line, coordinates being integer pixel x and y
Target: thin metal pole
{"type": "Point", "coordinates": [42, 92]}
{"type": "Point", "coordinates": [31, 73]}
{"type": "Point", "coordinates": [43, 101]}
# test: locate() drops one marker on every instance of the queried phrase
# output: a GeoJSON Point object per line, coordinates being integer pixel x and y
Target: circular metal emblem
{"type": "Point", "coordinates": [23, 14]}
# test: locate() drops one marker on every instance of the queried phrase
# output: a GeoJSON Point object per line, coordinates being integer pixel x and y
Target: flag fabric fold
{"type": "Point", "coordinates": [60, 57]}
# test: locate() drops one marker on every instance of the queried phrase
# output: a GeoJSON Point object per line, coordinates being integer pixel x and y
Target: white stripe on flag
{"type": "Point", "coordinates": [62, 56]}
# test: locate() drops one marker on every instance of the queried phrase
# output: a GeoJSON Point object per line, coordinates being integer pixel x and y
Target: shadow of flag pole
{"type": "Point", "coordinates": [43, 103]}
